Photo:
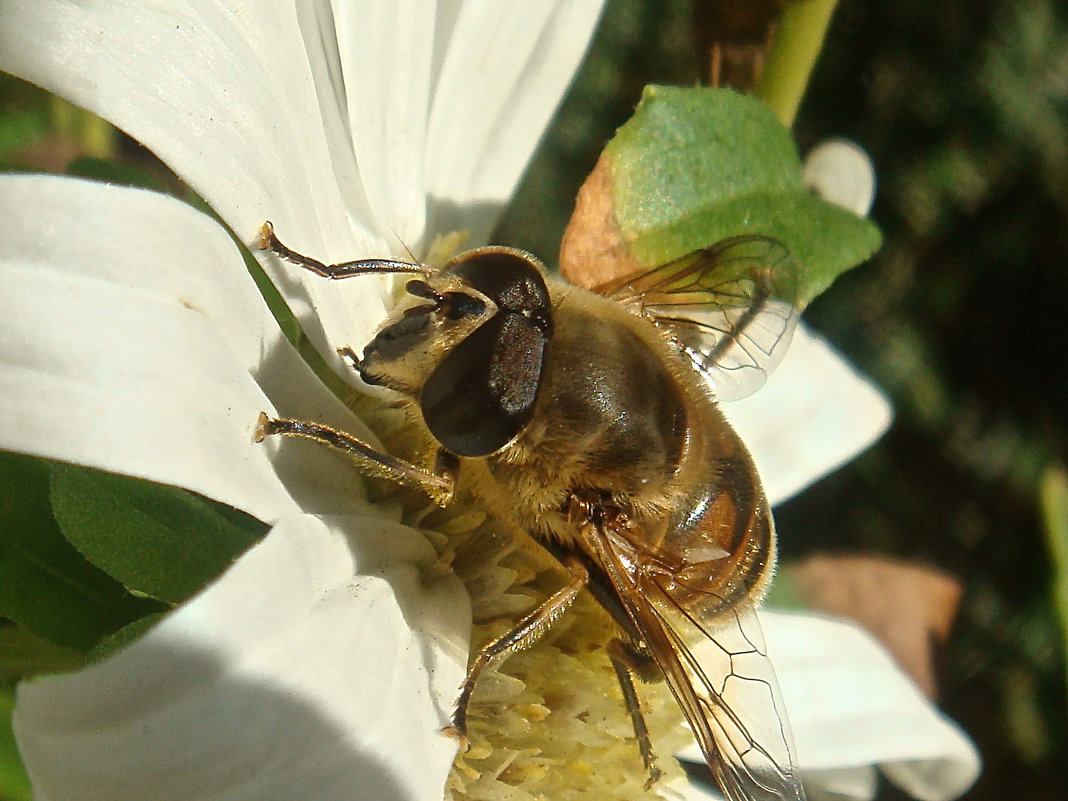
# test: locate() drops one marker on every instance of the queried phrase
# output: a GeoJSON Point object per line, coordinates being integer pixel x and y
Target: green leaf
{"type": "Point", "coordinates": [290, 326]}
{"type": "Point", "coordinates": [694, 166]}
{"type": "Point", "coordinates": [123, 637]}
{"type": "Point", "coordinates": [18, 128]}
{"type": "Point", "coordinates": [24, 115]}
{"type": "Point", "coordinates": [287, 321]}
{"type": "Point", "coordinates": [112, 172]}
{"type": "Point", "coordinates": [160, 541]}
{"type": "Point", "coordinates": [14, 784]}
{"type": "Point", "coordinates": [46, 586]}
{"type": "Point", "coordinates": [23, 654]}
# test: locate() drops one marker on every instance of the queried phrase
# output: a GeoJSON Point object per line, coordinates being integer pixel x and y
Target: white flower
{"type": "Point", "coordinates": [132, 340]}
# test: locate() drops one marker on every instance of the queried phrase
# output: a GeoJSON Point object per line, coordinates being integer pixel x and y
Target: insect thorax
{"type": "Point", "coordinates": [610, 417]}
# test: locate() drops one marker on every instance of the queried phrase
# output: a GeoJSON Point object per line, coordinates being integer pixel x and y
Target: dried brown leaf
{"type": "Point", "coordinates": [593, 250]}
{"type": "Point", "coordinates": [910, 608]}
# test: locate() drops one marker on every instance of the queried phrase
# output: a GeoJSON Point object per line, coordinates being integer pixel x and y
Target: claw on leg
{"type": "Point", "coordinates": [460, 737]}
{"type": "Point", "coordinates": [267, 240]}
{"type": "Point", "coordinates": [260, 433]}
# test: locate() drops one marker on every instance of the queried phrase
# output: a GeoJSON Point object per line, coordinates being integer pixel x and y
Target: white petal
{"type": "Point", "coordinates": [504, 70]}
{"type": "Point", "coordinates": [241, 100]}
{"type": "Point", "coordinates": [815, 413]}
{"type": "Point", "coordinates": [851, 706]}
{"type": "Point", "coordinates": [304, 672]}
{"type": "Point", "coordinates": [686, 791]}
{"type": "Point", "coordinates": [820, 785]}
{"type": "Point", "coordinates": [861, 783]}
{"type": "Point", "coordinates": [386, 48]}
{"type": "Point", "coordinates": [133, 340]}
{"type": "Point", "coordinates": [840, 172]}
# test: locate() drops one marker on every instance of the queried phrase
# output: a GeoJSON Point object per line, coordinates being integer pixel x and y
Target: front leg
{"type": "Point", "coordinates": [439, 486]}
{"type": "Point", "coordinates": [348, 269]}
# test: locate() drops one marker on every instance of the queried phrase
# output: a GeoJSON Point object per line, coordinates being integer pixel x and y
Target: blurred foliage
{"type": "Point", "coordinates": [14, 784]}
{"type": "Point", "coordinates": [964, 109]}
{"type": "Point", "coordinates": [1054, 493]}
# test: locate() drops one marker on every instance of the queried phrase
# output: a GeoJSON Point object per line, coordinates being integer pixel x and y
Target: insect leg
{"type": "Point", "coordinates": [268, 241]}
{"type": "Point", "coordinates": [375, 463]}
{"type": "Point", "coordinates": [525, 633]}
{"type": "Point", "coordinates": [628, 661]}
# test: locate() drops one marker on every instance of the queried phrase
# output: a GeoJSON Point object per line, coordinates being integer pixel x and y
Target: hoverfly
{"type": "Point", "coordinates": [588, 421]}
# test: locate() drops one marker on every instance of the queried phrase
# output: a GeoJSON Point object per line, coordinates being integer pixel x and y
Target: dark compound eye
{"type": "Point", "coordinates": [510, 278]}
{"type": "Point", "coordinates": [482, 394]}
{"type": "Point", "coordinates": [458, 305]}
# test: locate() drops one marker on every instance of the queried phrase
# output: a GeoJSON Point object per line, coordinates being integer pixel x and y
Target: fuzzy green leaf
{"type": "Point", "coordinates": [159, 541]}
{"type": "Point", "coordinates": [694, 166]}
{"type": "Point", "coordinates": [124, 636]}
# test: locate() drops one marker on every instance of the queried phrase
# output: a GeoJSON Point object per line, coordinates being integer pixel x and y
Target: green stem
{"type": "Point", "coordinates": [1054, 502]}
{"type": "Point", "coordinates": [798, 40]}
{"type": "Point", "coordinates": [64, 116]}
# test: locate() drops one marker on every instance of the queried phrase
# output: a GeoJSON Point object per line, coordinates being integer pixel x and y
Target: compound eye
{"type": "Point", "coordinates": [510, 279]}
{"type": "Point", "coordinates": [458, 305]}
{"type": "Point", "coordinates": [482, 394]}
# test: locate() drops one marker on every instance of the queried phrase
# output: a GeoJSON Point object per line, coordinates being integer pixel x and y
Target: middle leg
{"type": "Point", "coordinates": [524, 634]}
{"type": "Point", "coordinates": [439, 486]}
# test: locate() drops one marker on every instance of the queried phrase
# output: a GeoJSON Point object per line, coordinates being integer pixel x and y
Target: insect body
{"type": "Point", "coordinates": [586, 420]}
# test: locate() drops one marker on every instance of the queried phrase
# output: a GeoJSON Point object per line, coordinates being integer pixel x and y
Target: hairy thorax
{"type": "Point", "coordinates": [612, 420]}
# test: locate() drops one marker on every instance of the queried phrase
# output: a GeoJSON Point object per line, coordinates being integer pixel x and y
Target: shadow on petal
{"type": "Point", "coordinates": [296, 675]}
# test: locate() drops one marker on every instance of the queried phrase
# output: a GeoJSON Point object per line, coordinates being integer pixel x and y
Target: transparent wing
{"type": "Point", "coordinates": [720, 676]}
{"type": "Point", "coordinates": [730, 307]}
{"type": "Point", "coordinates": [739, 698]}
